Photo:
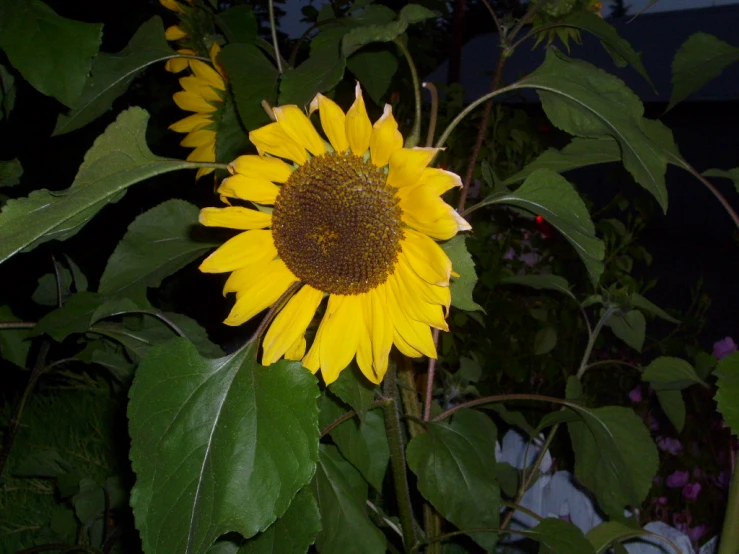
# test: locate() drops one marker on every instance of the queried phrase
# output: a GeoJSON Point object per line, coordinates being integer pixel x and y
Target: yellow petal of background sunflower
{"type": "Point", "coordinates": [191, 102]}
{"type": "Point", "coordinates": [290, 324]}
{"type": "Point", "coordinates": [297, 350]}
{"type": "Point", "coordinates": [261, 167]}
{"type": "Point", "coordinates": [333, 121]}
{"type": "Point", "coordinates": [174, 33]}
{"type": "Point", "coordinates": [191, 123]}
{"type": "Point", "coordinates": [243, 249]}
{"type": "Point", "coordinates": [172, 5]}
{"type": "Point", "coordinates": [235, 217]}
{"type": "Point", "coordinates": [200, 137]}
{"type": "Point", "coordinates": [203, 171]}
{"type": "Point", "coordinates": [207, 74]}
{"type": "Point", "coordinates": [261, 293]}
{"type": "Point", "coordinates": [177, 65]}
{"type": "Point", "coordinates": [299, 128]}
{"type": "Point", "coordinates": [342, 324]}
{"type": "Point", "coordinates": [358, 125]}
{"type": "Point", "coordinates": [407, 165]}
{"type": "Point", "coordinates": [273, 140]}
{"type": "Point", "coordinates": [439, 180]}
{"type": "Point", "coordinates": [427, 259]}
{"type": "Point", "coordinates": [385, 138]}
{"type": "Point", "coordinates": [204, 153]}
{"type": "Point", "coordinates": [200, 87]}
{"type": "Point", "coordinates": [260, 191]}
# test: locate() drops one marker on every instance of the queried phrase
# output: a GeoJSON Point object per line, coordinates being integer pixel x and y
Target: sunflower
{"type": "Point", "coordinates": [354, 221]}
{"type": "Point", "coordinates": [177, 33]}
{"type": "Point", "coordinates": [203, 93]}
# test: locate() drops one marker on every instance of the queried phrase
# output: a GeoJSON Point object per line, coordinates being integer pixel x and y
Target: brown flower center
{"type": "Point", "coordinates": [337, 226]}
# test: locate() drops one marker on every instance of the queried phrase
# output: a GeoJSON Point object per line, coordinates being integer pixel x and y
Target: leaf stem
{"type": "Point", "coordinates": [502, 398]}
{"type": "Point", "coordinates": [431, 87]}
{"type": "Point", "coordinates": [415, 135]}
{"type": "Point", "coordinates": [17, 325]}
{"type": "Point", "coordinates": [214, 165]}
{"type": "Point", "coordinates": [397, 458]}
{"type": "Point", "coordinates": [347, 416]}
{"type": "Point", "coordinates": [591, 341]}
{"type": "Point", "coordinates": [273, 27]}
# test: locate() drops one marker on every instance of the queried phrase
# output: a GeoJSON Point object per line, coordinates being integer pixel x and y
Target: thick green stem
{"type": "Point", "coordinates": [397, 459]}
{"type": "Point", "coordinates": [730, 535]}
{"type": "Point", "coordinates": [415, 135]}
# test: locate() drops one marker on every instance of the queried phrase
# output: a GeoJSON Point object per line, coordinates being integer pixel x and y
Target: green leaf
{"type": "Point", "coordinates": [630, 327]}
{"type": "Point", "coordinates": [585, 101]}
{"type": "Point", "coordinates": [540, 282]}
{"type": "Point", "coordinates": [615, 457]}
{"type": "Point", "coordinates": [375, 70]}
{"type": "Point", "coordinates": [580, 152]}
{"type": "Point", "coordinates": [701, 58]}
{"type": "Point", "coordinates": [72, 280]}
{"type": "Point", "coordinates": [507, 477]}
{"type": "Point", "coordinates": [673, 405]}
{"type": "Point", "coordinates": [727, 390]}
{"type": "Point", "coordinates": [209, 444]}
{"type": "Point", "coordinates": [52, 53]}
{"type": "Point", "coordinates": [118, 159]}
{"type": "Point", "coordinates": [158, 243]}
{"type": "Point", "coordinates": [638, 301]}
{"type": "Point", "coordinates": [551, 196]}
{"type": "Point", "coordinates": [354, 389]}
{"type": "Point", "coordinates": [242, 62]}
{"type": "Point", "coordinates": [704, 364]}
{"type": "Point", "coordinates": [384, 32]}
{"type": "Point", "coordinates": [321, 72]}
{"type": "Point", "coordinates": [112, 74]}
{"type": "Point", "coordinates": [620, 50]}
{"type": "Point", "coordinates": [363, 443]}
{"type": "Point", "coordinates": [10, 173]}
{"type": "Point", "coordinates": [238, 24]}
{"type": "Point", "coordinates": [74, 316]}
{"type": "Point", "coordinates": [732, 174]}
{"type": "Point", "coordinates": [560, 537]}
{"type": "Point", "coordinates": [7, 92]}
{"type": "Point", "coordinates": [455, 465]}
{"type": "Point", "coordinates": [89, 502]}
{"type": "Point", "coordinates": [462, 286]}
{"type": "Point", "coordinates": [14, 343]}
{"type": "Point", "coordinates": [231, 139]}
{"type": "Point", "coordinates": [342, 496]}
{"type": "Point", "coordinates": [668, 373]}
{"type": "Point", "coordinates": [545, 341]}
{"type": "Point", "coordinates": [608, 532]}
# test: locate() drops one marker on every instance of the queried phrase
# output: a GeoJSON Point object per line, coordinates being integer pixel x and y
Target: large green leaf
{"type": "Point", "coordinates": [455, 465]}
{"type": "Point", "coordinates": [157, 244]}
{"type": "Point", "coordinates": [75, 316]}
{"type": "Point", "coordinates": [668, 373]}
{"type": "Point", "coordinates": [52, 53]}
{"type": "Point", "coordinates": [732, 174]}
{"type": "Point", "coordinates": [232, 139]}
{"type": "Point", "coordinates": [375, 70]}
{"type": "Point", "coordinates": [727, 393]}
{"type": "Point", "coordinates": [7, 92]}
{"type": "Point", "coordinates": [701, 58]}
{"type": "Point", "coordinates": [342, 500]}
{"type": "Point", "coordinates": [462, 264]}
{"type": "Point", "coordinates": [14, 343]}
{"type": "Point", "coordinates": [551, 196]}
{"type": "Point", "coordinates": [540, 282]}
{"type": "Point", "coordinates": [238, 24]}
{"type": "Point", "coordinates": [363, 443]}
{"type": "Point", "coordinates": [638, 301]}
{"type": "Point", "coordinates": [118, 159]}
{"type": "Point", "coordinates": [580, 152]}
{"type": "Point", "coordinates": [587, 102]}
{"type": "Point", "coordinates": [615, 457]}
{"type": "Point", "coordinates": [559, 536]}
{"type": "Point", "coordinates": [607, 532]}
{"type": "Point", "coordinates": [217, 445]}
{"type": "Point", "coordinates": [354, 389]}
{"type": "Point", "coordinates": [384, 32]}
{"type": "Point", "coordinates": [630, 327]}
{"type": "Point", "coordinates": [242, 62]}
{"type": "Point", "coordinates": [10, 173]}
{"type": "Point", "coordinates": [672, 403]}
{"type": "Point", "coordinates": [112, 74]}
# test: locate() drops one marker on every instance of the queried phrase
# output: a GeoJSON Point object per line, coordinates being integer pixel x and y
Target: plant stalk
{"type": "Point", "coordinates": [729, 543]}
{"type": "Point", "coordinates": [273, 27]}
{"type": "Point", "coordinates": [415, 135]}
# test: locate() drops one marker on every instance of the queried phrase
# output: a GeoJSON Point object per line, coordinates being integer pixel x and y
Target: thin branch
{"type": "Point", "coordinates": [415, 135]}
{"type": "Point", "coordinates": [273, 27]}
{"type": "Point", "coordinates": [431, 87]}
{"type": "Point", "coordinates": [347, 416]}
{"type": "Point", "coordinates": [58, 277]}
{"type": "Point", "coordinates": [502, 398]}
{"type": "Point", "coordinates": [518, 508]}
{"type": "Point", "coordinates": [17, 325]}
{"type": "Point", "coordinates": [430, 380]}
{"type": "Point", "coordinates": [496, 20]}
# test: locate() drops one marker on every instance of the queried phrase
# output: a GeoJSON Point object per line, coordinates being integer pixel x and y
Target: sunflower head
{"type": "Point", "coordinates": [353, 219]}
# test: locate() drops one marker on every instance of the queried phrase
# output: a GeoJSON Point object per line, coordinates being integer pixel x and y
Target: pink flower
{"type": "Point", "coordinates": [724, 347]}
{"type": "Point", "coordinates": [635, 395]}
{"type": "Point", "coordinates": [673, 446]}
{"type": "Point", "coordinates": [695, 533]}
{"type": "Point", "coordinates": [678, 479]}
{"type": "Point", "coordinates": [662, 501]}
{"type": "Point", "coordinates": [691, 491]}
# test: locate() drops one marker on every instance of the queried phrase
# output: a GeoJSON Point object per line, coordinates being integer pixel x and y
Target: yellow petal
{"type": "Point", "coordinates": [203, 171]}
{"type": "Point", "coordinates": [414, 306]}
{"type": "Point", "coordinates": [358, 125]}
{"type": "Point", "coordinates": [207, 74]}
{"type": "Point", "coordinates": [243, 249]}
{"type": "Point", "coordinates": [427, 258]}
{"type": "Point", "coordinates": [412, 333]}
{"type": "Point", "coordinates": [405, 348]}
{"type": "Point", "coordinates": [176, 65]}
{"type": "Point", "coordinates": [364, 358]}
{"type": "Point", "coordinates": [407, 165]}
{"type": "Point", "coordinates": [204, 153]}
{"type": "Point", "coordinates": [261, 293]}
{"type": "Point", "coordinates": [299, 128]}
{"type": "Point", "coordinates": [260, 191]}
{"type": "Point", "coordinates": [439, 180]}
{"type": "Point", "coordinates": [333, 121]}
{"type": "Point", "coordinates": [272, 139]}
{"type": "Point", "coordinates": [342, 324]}
{"type": "Point", "coordinates": [172, 5]}
{"type": "Point", "coordinates": [261, 167]}
{"type": "Point", "coordinates": [431, 294]}
{"type": "Point", "coordinates": [174, 33]}
{"type": "Point", "coordinates": [200, 87]}
{"type": "Point", "coordinates": [191, 123]}
{"type": "Point", "coordinates": [426, 212]}
{"type": "Point", "coordinates": [235, 217]}
{"type": "Point", "coordinates": [297, 350]}
{"type": "Point", "coordinates": [312, 360]}
{"type": "Point", "coordinates": [199, 138]}
{"type": "Point", "coordinates": [385, 138]}
{"type": "Point", "coordinates": [191, 102]}
{"type": "Point", "coordinates": [380, 327]}
{"type": "Point", "coordinates": [290, 324]}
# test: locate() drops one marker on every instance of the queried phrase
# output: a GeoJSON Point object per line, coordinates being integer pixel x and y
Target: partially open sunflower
{"type": "Point", "coordinates": [355, 221]}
